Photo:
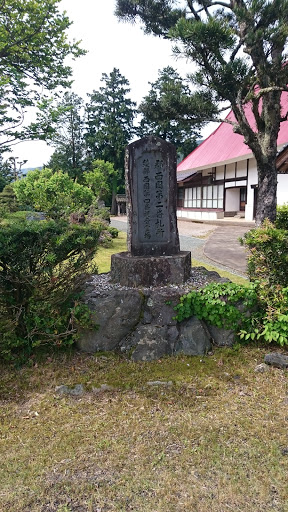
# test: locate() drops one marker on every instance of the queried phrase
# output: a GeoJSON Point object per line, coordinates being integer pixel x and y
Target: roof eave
{"type": "Point", "coordinates": [230, 161]}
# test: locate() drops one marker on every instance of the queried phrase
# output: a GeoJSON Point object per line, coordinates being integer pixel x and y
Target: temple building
{"type": "Point", "coordinates": [219, 178]}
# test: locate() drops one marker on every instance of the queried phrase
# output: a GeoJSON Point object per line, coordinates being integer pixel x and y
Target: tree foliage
{"type": "Point", "coordinates": [171, 111]}
{"type": "Point", "coordinates": [8, 200]}
{"type": "Point", "coordinates": [110, 117]}
{"type": "Point", "coordinates": [54, 193]}
{"type": "Point", "coordinates": [62, 126]}
{"type": "Point", "coordinates": [158, 15]}
{"type": "Point", "coordinates": [101, 179]}
{"type": "Point", "coordinates": [239, 49]}
{"type": "Point", "coordinates": [33, 49]}
{"type": "Point", "coordinates": [7, 174]}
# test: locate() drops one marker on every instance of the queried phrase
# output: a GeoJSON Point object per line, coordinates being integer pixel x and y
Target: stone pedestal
{"type": "Point", "coordinates": [146, 271]}
{"type": "Point", "coordinates": [141, 323]}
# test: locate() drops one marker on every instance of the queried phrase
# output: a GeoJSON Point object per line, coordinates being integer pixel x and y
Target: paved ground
{"type": "Point", "coordinates": [209, 242]}
{"type": "Point", "coordinates": [223, 246]}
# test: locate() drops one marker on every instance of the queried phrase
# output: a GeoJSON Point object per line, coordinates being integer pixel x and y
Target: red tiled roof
{"type": "Point", "coordinates": [224, 145]}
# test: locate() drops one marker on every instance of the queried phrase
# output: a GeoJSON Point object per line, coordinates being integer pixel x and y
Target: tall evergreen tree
{"type": "Point", "coordinates": [171, 111]}
{"type": "Point", "coordinates": [240, 50]}
{"type": "Point", "coordinates": [66, 122]}
{"type": "Point", "coordinates": [110, 117]}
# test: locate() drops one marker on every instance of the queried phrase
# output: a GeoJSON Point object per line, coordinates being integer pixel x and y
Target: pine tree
{"type": "Point", "coordinates": [67, 135]}
{"type": "Point", "coordinates": [239, 48]}
{"type": "Point", "coordinates": [171, 111]}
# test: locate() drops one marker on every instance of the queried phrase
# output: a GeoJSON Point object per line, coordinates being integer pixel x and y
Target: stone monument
{"type": "Point", "coordinates": [153, 257]}
{"type": "Point", "coordinates": [138, 317]}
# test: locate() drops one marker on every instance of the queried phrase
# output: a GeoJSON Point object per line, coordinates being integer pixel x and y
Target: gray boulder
{"type": "Point", "coordinates": [153, 342]}
{"type": "Point", "coordinates": [194, 338]}
{"type": "Point", "coordinates": [116, 313]}
{"type": "Point", "coordinates": [221, 337]}
{"type": "Point", "coordinates": [78, 390]}
{"type": "Point", "coordinates": [159, 307]}
{"type": "Point", "coordinates": [277, 360]}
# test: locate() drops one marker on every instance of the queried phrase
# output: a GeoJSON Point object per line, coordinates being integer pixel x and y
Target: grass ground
{"type": "Point", "coordinates": [103, 256]}
{"type": "Point", "coordinates": [213, 441]}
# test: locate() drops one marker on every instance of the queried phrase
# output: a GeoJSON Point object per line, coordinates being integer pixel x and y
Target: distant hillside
{"type": "Point", "coordinates": [27, 169]}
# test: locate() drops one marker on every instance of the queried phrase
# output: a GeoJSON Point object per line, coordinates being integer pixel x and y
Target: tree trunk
{"type": "Point", "coordinates": [267, 192]}
{"type": "Point", "coordinates": [263, 143]}
{"type": "Point", "coordinates": [114, 209]}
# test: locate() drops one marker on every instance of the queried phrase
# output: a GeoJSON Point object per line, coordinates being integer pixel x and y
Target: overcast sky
{"type": "Point", "coordinates": [110, 44]}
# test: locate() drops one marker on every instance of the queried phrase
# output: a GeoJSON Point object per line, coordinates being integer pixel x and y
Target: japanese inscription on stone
{"type": "Point", "coordinates": [152, 202]}
{"type": "Point", "coordinates": [151, 191]}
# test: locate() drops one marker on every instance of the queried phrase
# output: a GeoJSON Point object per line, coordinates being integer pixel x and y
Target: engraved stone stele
{"type": "Point", "coordinates": [153, 257]}
{"type": "Point", "coordinates": [151, 189]}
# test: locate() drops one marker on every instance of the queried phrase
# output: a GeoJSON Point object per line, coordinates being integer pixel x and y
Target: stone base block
{"type": "Point", "coordinates": [134, 271]}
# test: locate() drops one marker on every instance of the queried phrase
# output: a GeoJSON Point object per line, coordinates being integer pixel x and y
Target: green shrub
{"type": "Point", "coordinates": [96, 213]}
{"type": "Point", "coordinates": [259, 311]}
{"type": "Point", "coordinates": [221, 304]}
{"type": "Point", "coordinates": [8, 200]}
{"type": "Point", "coordinates": [54, 193]}
{"type": "Point", "coordinates": [42, 269]}
{"type": "Point", "coordinates": [255, 312]}
{"type": "Point", "coordinates": [268, 257]}
{"type": "Point", "coordinates": [113, 231]}
{"type": "Point", "coordinates": [282, 217]}
{"type": "Point", "coordinates": [271, 324]}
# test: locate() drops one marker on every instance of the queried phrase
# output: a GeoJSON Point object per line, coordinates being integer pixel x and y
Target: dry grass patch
{"type": "Point", "coordinates": [214, 441]}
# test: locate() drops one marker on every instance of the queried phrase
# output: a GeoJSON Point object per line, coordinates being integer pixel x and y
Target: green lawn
{"type": "Point", "coordinates": [213, 441]}
{"type": "Point", "coordinates": [103, 255]}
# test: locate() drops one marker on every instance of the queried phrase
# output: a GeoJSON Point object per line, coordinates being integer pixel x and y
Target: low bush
{"type": "Point", "coordinates": [268, 254]}
{"type": "Point", "coordinates": [113, 231]}
{"type": "Point", "coordinates": [8, 200]}
{"type": "Point", "coordinates": [42, 267]}
{"type": "Point", "coordinates": [253, 312]}
{"type": "Point", "coordinates": [282, 217]}
{"type": "Point", "coordinates": [98, 213]}
{"type": "Point", "coordinates": [54, 193]}
{"type": "Point", "coordinates": [226, 305]}
{"type": "Point", "coordinates": [256, 312]}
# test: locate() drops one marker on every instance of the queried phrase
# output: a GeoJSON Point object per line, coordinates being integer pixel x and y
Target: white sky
{"type": "Point", "coordinates": [110, 44]}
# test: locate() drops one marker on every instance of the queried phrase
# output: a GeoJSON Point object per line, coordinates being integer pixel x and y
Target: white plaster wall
{"type": "Point", "coordinates": [207, 172]}
{"type": "Point", "coordinates": [220, 172]}
{"type": "Point", "coordinates": [252, 180]}
{"type": "Point", "coordinates": [230, 171]}
{"type": "Point", "coordinates": [232, 201]}
{"type": "Point", "coordinates": [241, 168]}
{"type": "Point", "coordinates": [282, 189]}
{"type": "Point", "coordinates": [200, 215]}
{"type": "Point", "coordinates": [233, 184]}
